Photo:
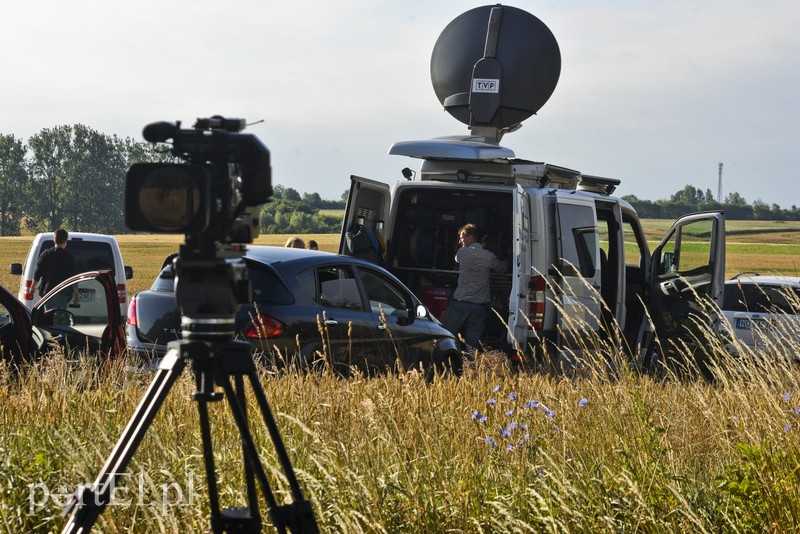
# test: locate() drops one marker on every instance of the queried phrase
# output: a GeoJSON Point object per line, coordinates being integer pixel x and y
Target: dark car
{"type": "Point", "coordinates": [87, 321]}
{"type": "Point", "coordinates": [311, 308]}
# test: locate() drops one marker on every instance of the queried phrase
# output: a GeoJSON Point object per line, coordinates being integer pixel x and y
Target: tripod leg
{"type": "Point", "coordinates": [208, 455]}
{"type": "Point", "coordinates": [249, 468]}
{"type": "Point", "coordinates": [299, 515]}
{"type": "Point", "coordinates": [89, 502]}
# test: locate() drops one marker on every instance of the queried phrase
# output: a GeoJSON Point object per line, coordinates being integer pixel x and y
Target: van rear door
{"type": "Point", "coordinates": [577, 272]}
{"type": "Point", "coordinates": [685, 282]}
{"type": "Point", "coordinates": [521, 301]}
{"type": "Point", "coordinates": [369, 199]}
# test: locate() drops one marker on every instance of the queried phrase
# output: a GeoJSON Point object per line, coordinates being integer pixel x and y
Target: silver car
{"type": "Point", "coordinates": [761, 312]}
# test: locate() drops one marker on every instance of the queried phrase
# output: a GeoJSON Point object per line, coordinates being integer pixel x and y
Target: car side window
{"type": "Point", "coordinates": [383, 294]}
{"type": "Point", "coordinates": [337, 288]}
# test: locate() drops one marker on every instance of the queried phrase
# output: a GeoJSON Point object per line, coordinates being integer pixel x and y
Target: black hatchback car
{"type": "Point", "coordinates": [311, 308]}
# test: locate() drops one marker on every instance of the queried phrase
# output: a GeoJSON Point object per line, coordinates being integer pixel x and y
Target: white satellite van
{"type": "Point", "coordinates": [92, 252]}
{"type": "Point", "coordinates": [577, 256]}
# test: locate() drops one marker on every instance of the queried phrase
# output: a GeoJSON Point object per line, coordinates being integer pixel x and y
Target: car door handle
{"type": "Point", "coordinates": [331, 322]}
{"type": "Point", "coordinates": [382, 327]}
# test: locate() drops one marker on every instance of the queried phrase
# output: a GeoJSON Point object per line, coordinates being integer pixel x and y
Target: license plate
{"type": "Point", "coordinates": [754, 324]}
{"type": "Point", "coordinates": [86, 295]}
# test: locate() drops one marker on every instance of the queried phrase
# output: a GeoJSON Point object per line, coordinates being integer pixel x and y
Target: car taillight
{"type": "Point", "coordinates": [28, 290]}
{"type": "Point", "coordinates": [131, 319]}
{"type": "Point", "coordinates": [536, 301]}
{"type": "Point", "coordinates": [262, 326]}
{"type": "Point", "coordinates": [122, 293]}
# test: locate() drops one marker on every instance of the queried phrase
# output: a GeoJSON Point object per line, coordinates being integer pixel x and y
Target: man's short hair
{"type": "Point", "coordinates": [60, 236]}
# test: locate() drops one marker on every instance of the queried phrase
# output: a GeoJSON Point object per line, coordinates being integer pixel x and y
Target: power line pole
{"type": "Point", "coordinates": [719, 186]}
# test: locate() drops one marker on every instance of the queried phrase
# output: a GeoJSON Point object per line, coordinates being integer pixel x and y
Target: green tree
{"type": "Point", "coordinates": [50, 149]}
{"type": "Point", "coordinates": [689, 195]}
{"type": "Point", "coordinates": [291, 194]}
{"type": "Point", "coordinates": [97, 169]}
{"type": "Point", "coordinates": [312, 199]}
{"type": "Point", "coordinates": [735, 199]}
{"type": "Point", "coordinates": [13, 179]}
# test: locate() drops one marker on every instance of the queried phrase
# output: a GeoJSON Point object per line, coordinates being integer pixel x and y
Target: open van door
{"type": "Point", "coordinates": [577, 274]}
{"type": "Point", "coordinates": [523, 306]}
{"type": "Point", "coordinates": [369, 200]}
{"type": "Point", "coordinates": [685, 283]}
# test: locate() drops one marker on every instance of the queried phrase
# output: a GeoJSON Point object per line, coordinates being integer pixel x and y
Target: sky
{"type": "Point", "coordinates": [655, 93]}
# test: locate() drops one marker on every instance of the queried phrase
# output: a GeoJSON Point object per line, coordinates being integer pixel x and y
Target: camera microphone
{"type": "Point", "coordinates": [158, 132]}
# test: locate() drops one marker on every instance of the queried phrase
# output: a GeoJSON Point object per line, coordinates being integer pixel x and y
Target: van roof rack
{"type": "Point", "coordinates": [598, 184]}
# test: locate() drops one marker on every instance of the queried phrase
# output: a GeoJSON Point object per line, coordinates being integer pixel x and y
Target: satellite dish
{"type": "Point", "coordinates": [495, 66]}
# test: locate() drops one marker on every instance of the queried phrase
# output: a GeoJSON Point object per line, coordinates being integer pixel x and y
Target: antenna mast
{"type": "Point", "coordinates": [719, 185]}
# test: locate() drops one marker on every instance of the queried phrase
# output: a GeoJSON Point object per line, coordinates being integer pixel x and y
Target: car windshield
{"type": "Point", "coordinates": [761, 298]}
{"type": "Point", "coordinates": [89, 255]}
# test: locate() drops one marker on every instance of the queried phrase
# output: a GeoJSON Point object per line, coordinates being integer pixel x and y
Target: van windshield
{"type": "Point", "coordinates": [89, 255]}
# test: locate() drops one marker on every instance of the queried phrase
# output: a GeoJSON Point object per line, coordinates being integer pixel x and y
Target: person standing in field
{"type": "Point", "coordinates": [467, 312]}
{"type": "Point", "coordinates": [53, 266]}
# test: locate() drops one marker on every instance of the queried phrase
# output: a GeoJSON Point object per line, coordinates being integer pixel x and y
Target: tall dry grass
{"type": "Point", "coordinates": [710, 443]}
{"type": "Point", "coordinates": [493, 451]}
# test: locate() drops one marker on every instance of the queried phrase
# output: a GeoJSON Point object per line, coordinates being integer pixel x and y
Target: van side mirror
{"type": "Point", "coordinates": [128, 272]}
{"type": "Point", "coordinates": [422, 312]}
{"type": "Point", "coordinates": [15, 268]}
{"type": "Point", "coordinates": [667, 264]}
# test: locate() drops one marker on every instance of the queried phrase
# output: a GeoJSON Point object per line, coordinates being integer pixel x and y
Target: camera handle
{"type": "Point", "coordinates": [224, 364]}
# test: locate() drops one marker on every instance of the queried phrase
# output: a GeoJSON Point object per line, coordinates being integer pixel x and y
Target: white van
{"type": "Point", "coordinates": [577, 256]}
{"type": "Point", "coordinates": [578, 260]}
{"type": "Point", "coordinates": [92, 252]}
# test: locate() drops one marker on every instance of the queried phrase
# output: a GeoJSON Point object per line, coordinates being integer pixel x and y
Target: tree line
{"type": "Point", "coordinates": [73, 177]}
{"type": "Point", "coordinates": [691, 199]}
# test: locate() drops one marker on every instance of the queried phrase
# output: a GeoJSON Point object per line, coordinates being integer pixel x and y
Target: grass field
{"type": "Point", "coordinates": [767, 247]}
{"type": "Point", "coordinates": [492, 452]}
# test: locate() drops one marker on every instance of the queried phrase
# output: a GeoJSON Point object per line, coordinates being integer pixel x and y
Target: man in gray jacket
{"type": "Point", "coordinates": [466, 314]}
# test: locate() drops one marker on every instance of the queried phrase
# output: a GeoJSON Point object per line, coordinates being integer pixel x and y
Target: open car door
{"type": "Point", "coordinates": [685, 283]}
{"type": "Point", "coordinates": [82, 313]}
{"type": "Point", "coordinates": [368, 207]}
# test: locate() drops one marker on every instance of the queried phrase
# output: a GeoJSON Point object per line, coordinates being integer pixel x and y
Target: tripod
{"type": "Point", "coordinates": [226, 364]}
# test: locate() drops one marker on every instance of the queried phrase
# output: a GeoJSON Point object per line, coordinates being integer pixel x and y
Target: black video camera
{"type": "Point", "coordinates": [214, 196]}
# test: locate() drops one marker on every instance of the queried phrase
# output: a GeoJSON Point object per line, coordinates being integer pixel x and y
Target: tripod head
{"type": "Point", "coordinates": [211, 283]}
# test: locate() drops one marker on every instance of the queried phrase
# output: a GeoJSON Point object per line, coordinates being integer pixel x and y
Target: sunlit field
{"type": "Point", "coordinates": [606, 448]}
